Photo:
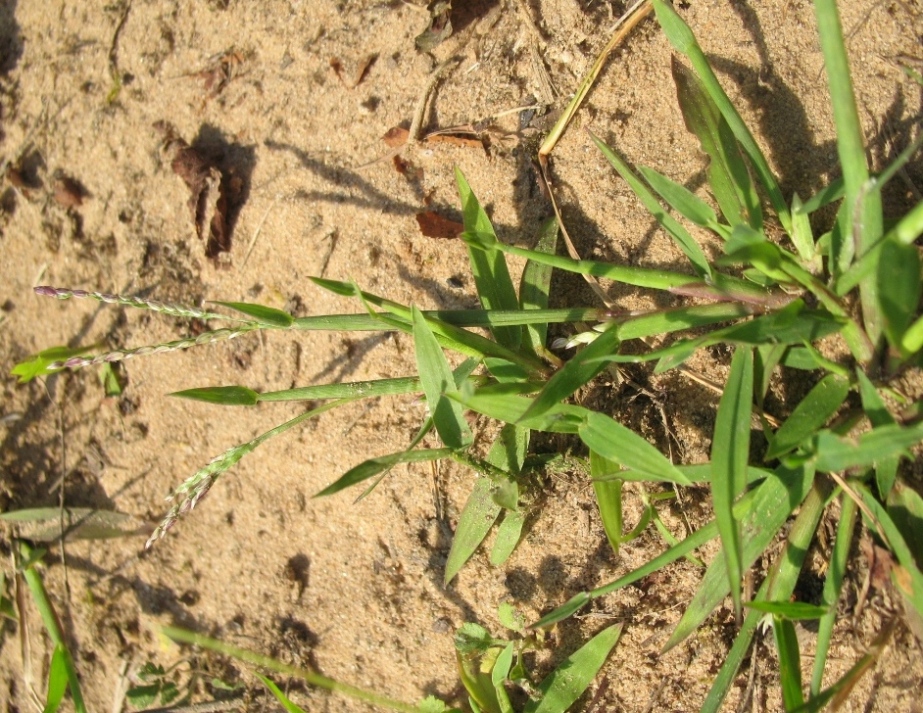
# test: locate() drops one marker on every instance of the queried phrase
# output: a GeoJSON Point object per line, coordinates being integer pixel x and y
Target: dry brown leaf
{"type": "Point", "coordinates": [208, 200]}
{"type": "Point", "coordinates": [224, 68]}
{"type": "Point", "coordinates": [68, 192]}
{"type": "Point", "coordinates": [361, 70]}
{"type": "Point", "coordinates": [396, 137]}
{"type": "Point", "coordinates": [433, 225]}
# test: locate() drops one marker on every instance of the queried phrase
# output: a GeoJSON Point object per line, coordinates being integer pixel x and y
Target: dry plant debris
{"type": "Point", "coordinates": [433, 225]}
{"type": "Point", "coordinates": [361, 70]}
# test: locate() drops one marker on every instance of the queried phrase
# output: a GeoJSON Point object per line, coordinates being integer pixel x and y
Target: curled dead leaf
{"type": "Point", "coordinates": [208, 189]}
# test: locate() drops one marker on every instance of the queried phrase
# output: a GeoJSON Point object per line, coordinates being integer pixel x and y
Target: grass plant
{"type": "Point", "coordinates": [770, 299]}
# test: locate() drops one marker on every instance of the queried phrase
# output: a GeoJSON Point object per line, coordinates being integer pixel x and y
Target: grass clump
{"type": "Point", "coordinates": [771, 300]}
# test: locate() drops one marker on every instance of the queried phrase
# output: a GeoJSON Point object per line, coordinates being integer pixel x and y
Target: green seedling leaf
{"type": "Point", "coordinates": [789, 662]}
{"type": "Point", "coordinates": [608, 498]}
{"type": "Point", "coordinates": [535, 285]}
{"type": "Point", "coordinates": [477, 653]}
{"type": "Point", "coordinates": [286, 702]}
{"type": "Point", "coordinates": [57, 679]}
{"type": "Point", "coordinates": [498, 676]}
{"type": "Point", "coordinates": [878, 415]}
{"type": "Point", "coordinates": [51, 524]}
{"type": "Point", "coordinates": [509, 533]}
{"type": "Point", "coordinates": [491, 275]}
{"type": "Point", "coordinates": [111, 380]}
{"type": "Point", "coordinates": [508, 406]}
{"type": "Point", "coordinates": [898, 290]}
{"type": "Point", "coordinates": [436, 379]}
{"type": "Point", "coordinates": [835, 454]}
{"type": "Point", "coordinates": [222, 395]}
{"type": "Point", "coordinates": [142, 697]}
{"type": "Point", "coordinates": [477, 517]}
{"type": "Point", "coordinates": [750, 246]}
{"type": "Point", "coordinates": [727, 172]}
{"type": "Point", "coordinates": [565, 611]}
{"type": "Point", "coordinates": [809, 416]}
{"type": "Point", "coordinates": [431, 704]}
{"type": "Point", "coordinates": [619, 444]}
{"type": "Point", "coordinates": [676, 231]}
{"type": "Point", "coordinates": [267, 316]}
{"type": "Point", "coordinates": [375, 466]}
{"type": "Point", "coordinates": [730, 455]}
{"type": "Point", "coordinates": [563, 686]}
{"type": "Point", "coordinates": [575, 374]}
{"type": "Point", "coordinates": [510, 618]}
{"type": "Point", "coordinates": [792, 611]}
{"type": "Point", "coordinates": [39, 364]}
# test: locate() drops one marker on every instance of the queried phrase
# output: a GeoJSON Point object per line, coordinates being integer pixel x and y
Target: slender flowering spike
{"type": "Point", "coordinates": [193, 489]}
{"type": "Point", "coordinates": [217, 335]}
{"type": "Point", "coordinates": [129, 301]}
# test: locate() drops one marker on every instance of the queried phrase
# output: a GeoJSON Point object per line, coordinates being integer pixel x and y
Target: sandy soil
{"type": "Point", "coordinates": [355, 589]}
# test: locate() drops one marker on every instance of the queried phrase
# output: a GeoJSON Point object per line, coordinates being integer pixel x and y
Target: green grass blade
{"type": "Point", "coordinates": [674, 229]}
{"type": "Point", "coordinates": [814, 410]}
{"type": "Point", "coordinates": [835, 454]}
{"type": "Point", "coordinates": [898, 290]}
{"type": "Point", "coordinates": [789, 662]}
{"type": "Point", "coordinates": [458, 318]}
{"type": "Point", "coordinates": [792, 611]}
{"type": "Point", "coordinates": [682, 39]}
{"type": "Point", "coordinates": [637, 276]}
{"type": "Point", "coordinates": [477, 517]}
{"type": "Point", "coordinates": [674, 320]}
{"type": "Point", "coordinates": [683, 201]}
{"type": "Point", "coordinates": [608, 498]}
{"type": "Point", "coordinates": [265, 316]}
{"type": "Point", "coordinates": [52, 624]}
{"type": "Point", "coordinates": [727, 173]}
{"type": "Point", "coordinates": [501, 404]}
{"type": "Point", "coordinates": [859, 202]}
{"type": "Point", "coordinates": [375, 466]}
{"type": "Point", "coordinates": [730, 455]}
{"type": "Point", "coordinates": [491, 275]}
{"type": "Point", "coordinates": [57, 679]}
{"type": "Point", "coordinates": [284, 700]}
{"type": "Point", "coordinates": [760, 520]}
{"type": "Point", "coordinates": [878, 415]}
{"type": "Point", "coordinates": [509, 533]}
{"type": "Point", "coordinates": [830, 193]}
{"type": "Point", "coordinates": [350, 390]}
{"type": "Point", "coordinates": [833, 586]}
{"type": "Point", "coordinates": [802, 234]}
{"type": "Point", "coordinates": [436, 379]}
{"type": "Point", "coordinates": [563, 686]}
{"type": "Point", "coordinates": [221, 395]}
{"type": "Point", "coordinates": [619, 444]}
{"type": "Point", "coordinates": [535, 286]}
{"type": "Point", "coordinates": [575, 374]}
{"type": "Point", "coordinates": [778, 586]}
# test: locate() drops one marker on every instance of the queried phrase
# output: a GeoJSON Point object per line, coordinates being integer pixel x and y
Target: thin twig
{"type": "Point", "coordinates": [417, 121]}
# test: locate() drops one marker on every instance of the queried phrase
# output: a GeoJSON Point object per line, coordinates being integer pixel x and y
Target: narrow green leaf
{"type": "Point", "coordinates": [835, 454]}
{"type": "Point", "coordinates": [789, 662]}
{"type": "Point", "coordinates": [563, 686]}
{"type": "Point", "coordinates": [619, 444]}
{"type": "Point", "coordinates": [682, 39]}
{"type": "Point", "coordinates": [509, 407]}
{"type": "Point", "coordinates": [730, 455]}
{"type": "Point", "coordinates": [535, 286]}
{"type": "Point", "coordinates": [491, 275]}
{"type": "Point", "coordinates": [878, 415]}
{"type": "Point", "coordinates": [436, 379]}
{"type": "Point", "coordinates": [792, 611]}
{"type": "Point", "coordinates": [608, 498]}
{"type": "Point", "coordinates": [575, 374]}
{"type": "Point", "coordinates": [222, 395]}
{"type": "Point", "coordinates": [830, 193]}
{"type": "Point", "coordinates": [264, 315]}
{"type": "Point", "coordinates": [50, 524]}
{"type": "Point", "coordinates": [286, 702]}
{"type": "Point", "coordinates": [566, 610]}
{"type": "Point", "coordinates": [802, 235]}
{"type": "Point", "coordinates": [833, 586]}
{"type": "Point", "coordinates": [811, 413]}
{"type": "Point", "coordinates": [499, 674]}
{"type": "Point", "coordinates": [374, 466]}
{"type": "Point", "coordinates": [674, 229]}
{"type": "Point", "coordinates": [898, 290]}
{"type": "Point", "coordinates": [509, 533]}
{"type": "Point", "coordinates": [682, 200]}
{"type": "Point", "coordinates": [38, 364]}
{"type": "Point", "coordinates": [727, 172]}
{"type": "Point", "coordinates": [905, 506]}
{"type": "Point", "coordinates": [477, 517]}
{"type": "Point", "coordinates": [57, 679]}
